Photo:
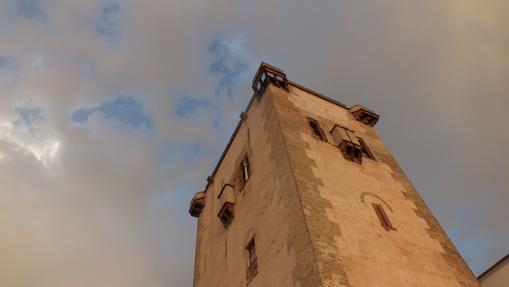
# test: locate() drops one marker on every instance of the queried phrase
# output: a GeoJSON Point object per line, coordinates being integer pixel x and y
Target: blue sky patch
{"type": "Point", "coordinates": [30, 9]}
{"type": "Point", "coordinates": [107, 25]}
{"type": "Point", "coordinates": [9, 63]}
{"type": "Point", "coordinates": [179, 154]}
{"type": "Point", "coordinates": [230, 61]}
{"type": "Point", "coordinates": [125, 109]}
{"type": "Point", "coordinates": [29, 116]}
{"type": "Point", "coordinates": [187, 106]}
{"type": "Point", "coordinates": [9, 68]}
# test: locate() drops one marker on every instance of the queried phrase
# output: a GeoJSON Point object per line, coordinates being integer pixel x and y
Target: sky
{"type": "Point", "coordinates": [113, 113]}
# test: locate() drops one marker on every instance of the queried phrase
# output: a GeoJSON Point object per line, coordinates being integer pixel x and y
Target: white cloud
{"type": "Point", "coordinates": [44, 148]}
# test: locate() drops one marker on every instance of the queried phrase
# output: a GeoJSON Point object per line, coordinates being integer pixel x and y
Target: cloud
{"type": "Point", "coordinates": [27, 134]}
{"type": "Point", "coordinates": [44, 150]}
{"type": "Point", "coordinates": [125, 109]}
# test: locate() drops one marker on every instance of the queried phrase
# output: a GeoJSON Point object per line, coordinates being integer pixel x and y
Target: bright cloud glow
{"type": "Point", "coordinates": [45, 149]}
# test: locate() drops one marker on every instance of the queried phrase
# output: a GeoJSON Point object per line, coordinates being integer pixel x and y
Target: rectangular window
{"type": "Point", "coordinates": [382, 216]}
{"type": "Point", "coordinates": [365, 149]}
{"type": "Point", "coordinates": [252, 262]}
{"type": "Point", "coordinates": [316, 130]}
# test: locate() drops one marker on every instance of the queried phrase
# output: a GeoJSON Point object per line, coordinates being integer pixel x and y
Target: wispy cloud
{"type": "Point", "coordinates": [27, 134]}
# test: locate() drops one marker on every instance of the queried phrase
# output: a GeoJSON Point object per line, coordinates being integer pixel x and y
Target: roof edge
{"type": "Point", "coordinates": [317, 94]}
{"type": "Point", "coordinates": [493, 267]}
{"type": "Point", "coordinates": [239, 124]}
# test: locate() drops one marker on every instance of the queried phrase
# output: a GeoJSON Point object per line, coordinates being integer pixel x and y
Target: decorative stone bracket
{"type": "Point", "coordinates": [268, 74]}
{"type": "Point", "coordinates": [197, 204]}
{"type": "Point", "coordinates": [364, 115]}
{"type": "Point", "coordinates": [227, 202]}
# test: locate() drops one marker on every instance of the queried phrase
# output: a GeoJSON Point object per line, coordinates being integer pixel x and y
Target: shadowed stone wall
{"type": "Point", "coordinates": [268, 208]}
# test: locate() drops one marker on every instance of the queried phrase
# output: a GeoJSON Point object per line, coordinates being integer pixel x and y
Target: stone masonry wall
{"type": "Point", "coordinates": [268, 208]}
{"type": "Point", "coordinates": [351, 246]}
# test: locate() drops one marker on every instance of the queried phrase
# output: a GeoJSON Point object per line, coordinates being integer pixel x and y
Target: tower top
{"type": "Point", "coordinates": [267, 67]}
{"type": "Point", "coordinates": [268, 74]}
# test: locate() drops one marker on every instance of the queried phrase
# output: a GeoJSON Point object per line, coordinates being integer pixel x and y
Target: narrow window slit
{"type": "Point", "coordinates": [316, 130]}
{"type": "Point", "coordinates": [245, 170]}
{"type": "Point", "coordinates": [252, 262]}
{"type": "Point", "coordinates": [382, 216]}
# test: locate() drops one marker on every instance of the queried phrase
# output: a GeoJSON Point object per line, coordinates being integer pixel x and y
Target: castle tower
{"type": "Point", "coordinates": [307, 194]}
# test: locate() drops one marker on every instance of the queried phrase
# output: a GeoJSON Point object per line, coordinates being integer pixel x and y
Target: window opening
{"type": "Point", "coordinates": [245, 169]}
{"type": "Point", "coordinates": [317, 130]}
{"type": "Point", "coordinates": [252, 263]}
{"type": "Point", "coordinates": [382, 216]}
{"type": "Point", "coordinates": [365, 149]}
{"type": "Point", "coordinates": [347, 142]}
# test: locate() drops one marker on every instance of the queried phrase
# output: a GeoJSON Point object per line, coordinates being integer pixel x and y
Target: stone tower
{"type": "Point", "coordinates": [306, 194]}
